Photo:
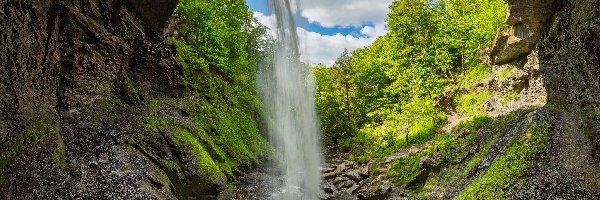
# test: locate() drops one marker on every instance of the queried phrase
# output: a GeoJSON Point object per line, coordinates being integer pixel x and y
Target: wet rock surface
{"type": "Point", "coordinates": [63, 62]}
{"type": "Point", "coordinates": [63, 59]}
{"type": "Point", "coordinates": [570, 55]}
{"type": "Point", "coordinates": [565, 168]}
{"type": "Point", "coordinates": [344, 179]}
{"type": "Point", "coordinates": [257, 185]}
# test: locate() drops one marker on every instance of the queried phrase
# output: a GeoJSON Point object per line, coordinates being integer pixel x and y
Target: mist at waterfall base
{"type": "Point", "coordinates": [287, 88]}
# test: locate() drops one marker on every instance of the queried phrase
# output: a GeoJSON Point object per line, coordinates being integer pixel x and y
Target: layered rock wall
{"type": "Point", "coordinates": [563, 38]}
{"type": "Point", "coordinates": [67, 55]}
{"type": "Point", "coordinates": [570, 55]}
{"type": "Point", "coordinates": [61, 62]}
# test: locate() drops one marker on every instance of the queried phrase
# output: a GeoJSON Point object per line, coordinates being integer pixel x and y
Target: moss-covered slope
{"type": "Point", "coordinates": [98, 100]}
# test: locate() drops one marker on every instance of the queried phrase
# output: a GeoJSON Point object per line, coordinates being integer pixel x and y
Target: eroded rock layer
{"type": "Point", "coordinates": [62, 63]}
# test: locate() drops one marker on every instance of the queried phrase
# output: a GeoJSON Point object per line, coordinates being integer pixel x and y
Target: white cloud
{"type": "Point", "coordinates": [345, 13]}
{"type": "Point", "coordinates": [267, 20]}
{"type": "Point", "coordinates": [374, 31]}
{"type": "Point", "coordinates": [320, 48]}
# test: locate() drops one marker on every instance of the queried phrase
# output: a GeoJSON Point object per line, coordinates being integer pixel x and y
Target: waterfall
{"type": "Point", "coordinates": [288, 94]}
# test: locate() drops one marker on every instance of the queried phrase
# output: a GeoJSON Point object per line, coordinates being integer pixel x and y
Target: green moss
{"type": "Point", "coordinates": [454, 153]}
{"type": "Point", "coordinates": [133, 95]}
{"type": "Point", "coordinates": [228, 136]}
{"type": "Point", "coordinates": [452, 150]}
{"type": "Point", "coordinates": [475, 75]}
{"type": "Point", "coordinates": [234, 131]}
{"type": "Point", "coordinates": [404, 169]}
{"type": "Point", "coordinates": [509, 97]}
{"type": "Point", "coordinates": [474, 124]}
{"type": "Point", "coordinates": [170, 165]}
{"type": "Point", "coordinates": [154, 105]}
{"type": "Point", "coordinates": [444, 148]}
{"type": "Point", "coordinates": [59, 156]}
{"type": "Point", "coordinates": [511, 164]}
{"type": "Point", "coordinates": [106, 107]}
{"type": "Point", "coordinates": [41, 130]}
{"type": "Point", "coordinates": [483, 151]}
{"type": "Point", "coordinates": [228, 164]}
{"type": "Point", "coordinates": [504, 73]}
{"type": "Point", "coordinates": [207, 168]}
{"type": "Point", "coordinates": [472, 103]}
{"type": "Point", "coordinates": [38, 131]}
{"type": "Point", "coordinates": [376, 168]}
{"type": "Point", "coordinates": [157, 123]}
{"type": "Point", "coordinates": [131, 86]}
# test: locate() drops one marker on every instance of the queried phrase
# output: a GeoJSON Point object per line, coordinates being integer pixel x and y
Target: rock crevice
{"type": "Point", "coordinates": [62, 63]}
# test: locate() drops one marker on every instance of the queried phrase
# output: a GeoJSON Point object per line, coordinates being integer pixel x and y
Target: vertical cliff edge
{"type": "Point", "coordinates": [67, 71]}
{"type": "Point", "coordinates": [93, 106]}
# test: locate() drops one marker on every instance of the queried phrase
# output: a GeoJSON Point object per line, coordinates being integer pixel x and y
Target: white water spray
{"type": "Point", "coordinates": [288, 92]}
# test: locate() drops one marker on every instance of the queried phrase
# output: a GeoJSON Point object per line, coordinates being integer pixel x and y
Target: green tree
{"type": "Point", "coordinates": [220, 47]}
{"type": "Point", "coordinates": [336, 97]}
{"type": "Point", "coordinates": [390, 86]}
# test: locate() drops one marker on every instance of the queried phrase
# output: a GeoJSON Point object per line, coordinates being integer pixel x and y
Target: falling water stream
{"type": "Point", "coordinates": [289, 98]}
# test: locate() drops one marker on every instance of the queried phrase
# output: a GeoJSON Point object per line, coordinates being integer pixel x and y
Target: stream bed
{"type": "Point", "coordinates": [341, 179]}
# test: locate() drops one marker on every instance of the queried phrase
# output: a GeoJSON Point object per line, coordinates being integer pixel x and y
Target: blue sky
{"type": "Point", "coordinates": [327, 27]}
{"type": "Point", "coordinates": [262, 6]}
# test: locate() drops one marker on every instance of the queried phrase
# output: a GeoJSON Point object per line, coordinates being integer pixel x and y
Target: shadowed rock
{"type": "Point", "coordinates": [154, 13]}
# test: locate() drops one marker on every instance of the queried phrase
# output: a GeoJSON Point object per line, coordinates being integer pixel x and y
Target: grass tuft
{"type": "Point", "coordinates": [39, 131]}
{"type": "Point", "coordinates": [511, 164]}
{"type": "Point", "coordinates": [472, 104]}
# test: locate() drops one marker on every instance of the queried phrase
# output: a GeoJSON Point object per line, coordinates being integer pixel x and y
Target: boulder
{"type": "Point", "coordinates": [329, 175]}
{"type": "Point", "coordinates": [526, 19]}
{"type": "Point", "coordinates": [154, 13]}
{"type": "Point", "coordinates": [353, 189]}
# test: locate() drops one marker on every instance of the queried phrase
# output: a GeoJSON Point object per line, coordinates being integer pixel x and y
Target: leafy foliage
{"type": "Point", "coordinates": [38, 131]}
{"type": "Point", "coordinates": [471, 103]}
{"type": "Point", "coordinates": [512, 163]}
{"type": "Point", "coordinates": [219, 48]}
{"type": "Point", "coordinates": [383, 93]}
{"type": "Point", "coordinates": [336, 98]}
{"type": "Point", "coordinates": [221, 44]}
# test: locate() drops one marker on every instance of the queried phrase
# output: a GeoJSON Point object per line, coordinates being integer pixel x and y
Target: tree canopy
{"type": "Point", "coordinates": [388, 91]}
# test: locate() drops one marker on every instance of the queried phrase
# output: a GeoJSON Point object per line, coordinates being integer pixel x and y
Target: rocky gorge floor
{"type": "Point", "coordinates": [342, 179]}
{"type": "Point", "coordinates": [565, 168]}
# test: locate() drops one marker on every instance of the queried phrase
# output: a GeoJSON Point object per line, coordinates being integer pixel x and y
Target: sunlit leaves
{"type": "Point", "coordinates": [225, 35]}
{"type": "Point", "coordinates": [431, 44]}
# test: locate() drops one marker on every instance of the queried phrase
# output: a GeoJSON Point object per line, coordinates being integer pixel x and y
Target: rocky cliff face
{"type": "Point", "coordinates": [556, 47]}
{"type": "Point", "coordinates": [570, 59]}
{"type": "Point", "coordinates": [557, 44]}
{"type": "Point", "coordinates": [63, 63]}
{"type": "Point", "coordinates": [562, 37]}
{"type": "Point", "coordinates": [570, 54]}
{"type": "Point", "coordinates": [548, 58]}
{"type": "Point", "coordinates": [526, 20]}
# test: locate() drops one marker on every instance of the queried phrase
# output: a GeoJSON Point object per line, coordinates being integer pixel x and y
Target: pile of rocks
{"type": "Point", "coordinates": [345, 180]}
